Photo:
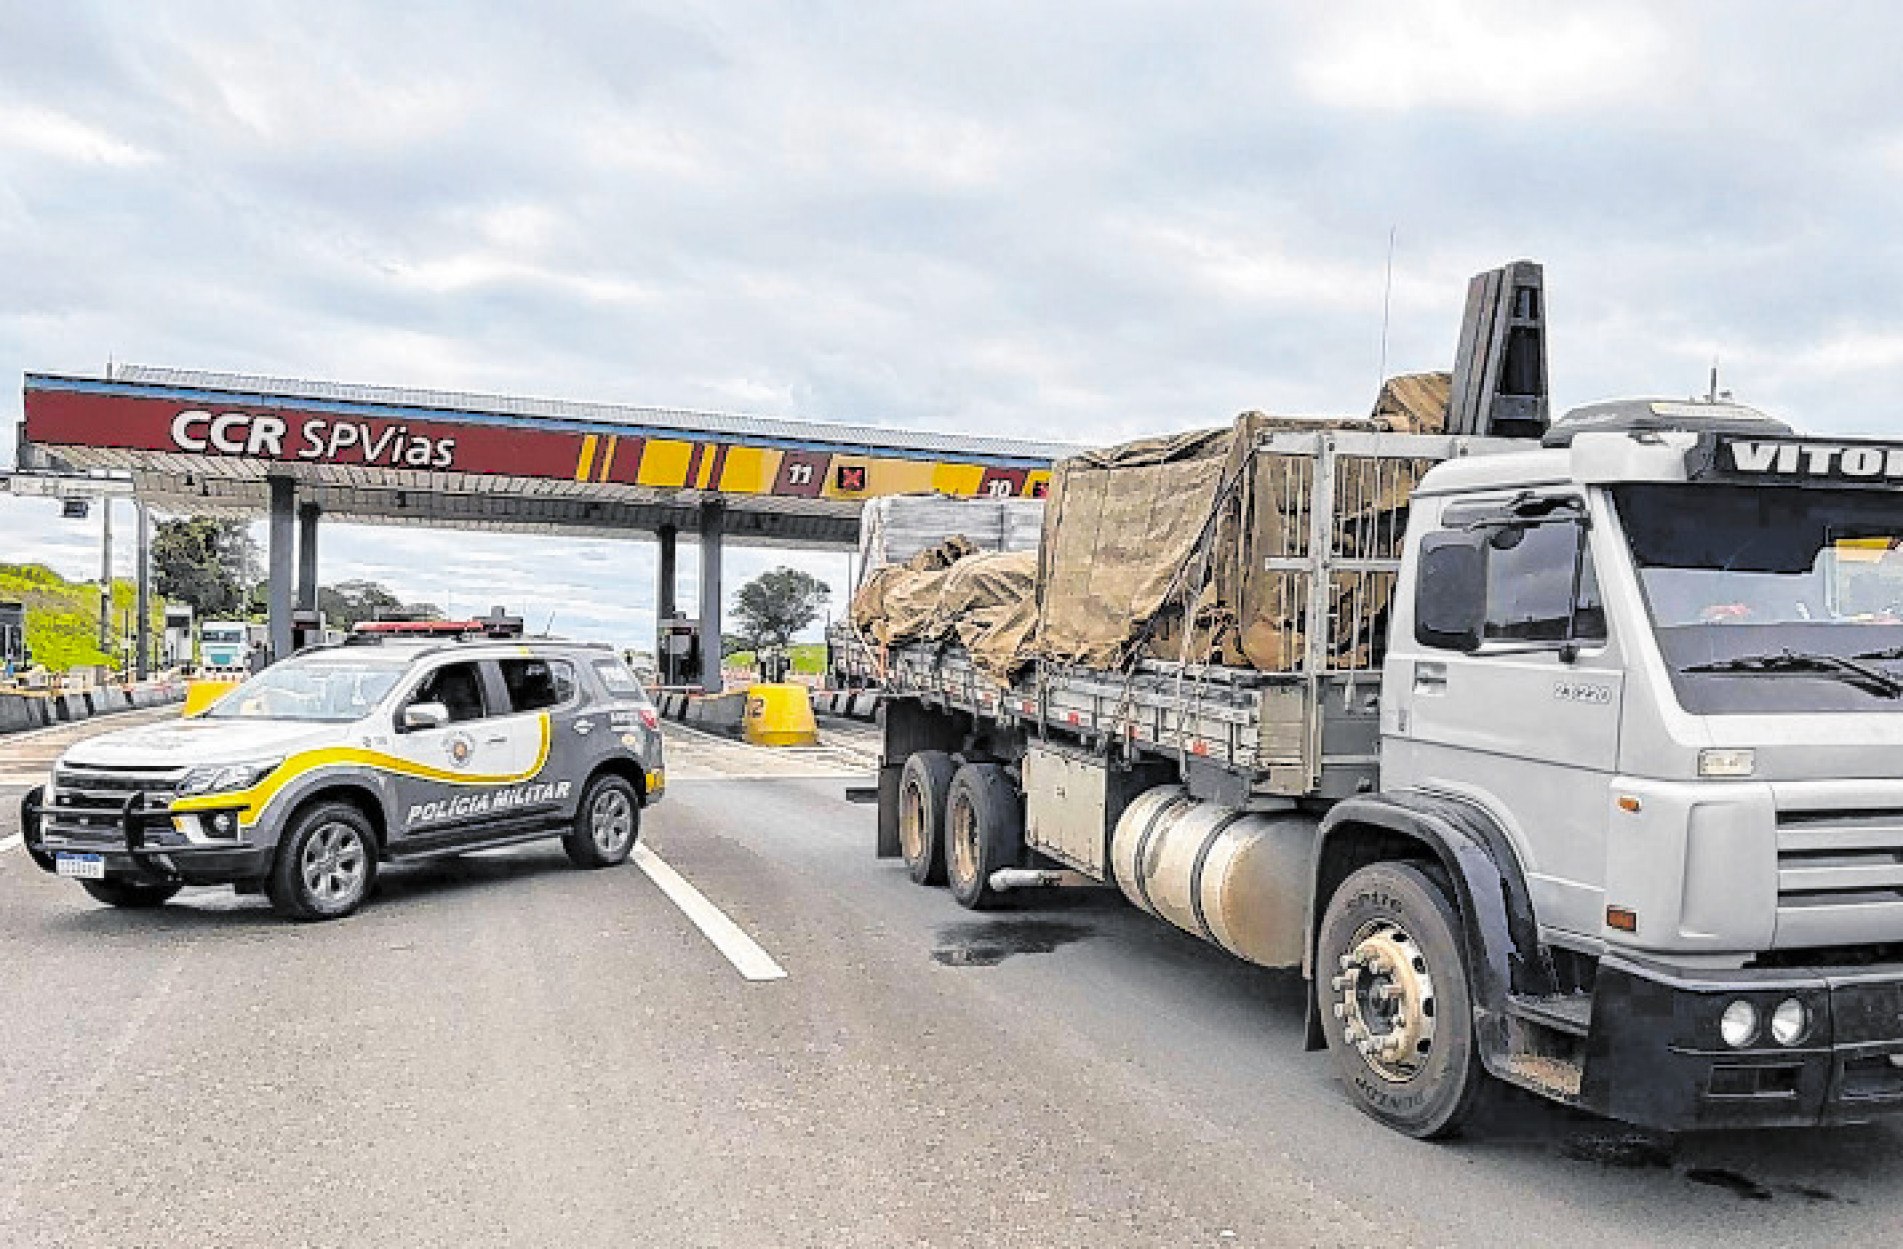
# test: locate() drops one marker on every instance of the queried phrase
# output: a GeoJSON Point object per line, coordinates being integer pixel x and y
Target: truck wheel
{"type": "Point", "coordinates": [984, 831]}
{"type": "Point", "coordinates": [607, 824]}
{"type": "Point", "coordinates": [1392, 987]}
{"type": "Point", "coordinates": [129, 894]}
{"type": "Point", "coordinates": [324, 864]}
{"type": "Point", "coordinates": [923, 787]}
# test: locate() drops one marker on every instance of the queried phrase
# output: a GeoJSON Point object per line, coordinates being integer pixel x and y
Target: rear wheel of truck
{"type": "Point", "coordinates": [128, 894]}
{"type": "Point", "coordinates": [984, 831]}
{"type": "Point", "coordinates": [1392, 988]}
{"type": "Point", "coordinates": [924, 786]}
{"type": "Point", "coordinates": [324, 864]}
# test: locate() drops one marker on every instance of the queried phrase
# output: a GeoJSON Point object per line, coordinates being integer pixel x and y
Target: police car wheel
{"type": "Point", "coordinates": [325, 864]}
{"type": "Point", "coordinates": [607, 824]}
{"type": "Point", "coordinates": [129, 894]}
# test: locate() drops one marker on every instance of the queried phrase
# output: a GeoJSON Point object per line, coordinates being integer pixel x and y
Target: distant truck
{"type": "Point", "coordinates": [1609, 808]}
{"type": "Point", "coordinates": [224, 644]}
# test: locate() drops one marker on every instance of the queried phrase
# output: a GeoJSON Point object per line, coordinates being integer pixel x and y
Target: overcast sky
{"type": "Point", "coordinates": [1081, 221]}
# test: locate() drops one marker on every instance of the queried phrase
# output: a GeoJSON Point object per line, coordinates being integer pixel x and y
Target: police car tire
{"type": "Point", "coordinates": [290, 896]}
{"type": "Point", "coordinates": [129, 894]}
{"type": "Point", "coordinates": [579, 841]}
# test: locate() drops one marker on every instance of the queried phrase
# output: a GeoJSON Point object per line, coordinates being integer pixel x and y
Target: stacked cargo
{"type": "Point", "coordinates": [1194, 548]}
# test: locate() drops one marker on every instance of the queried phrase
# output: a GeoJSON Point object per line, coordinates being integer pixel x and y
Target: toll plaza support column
{"type": "Point", "coordinates": [665, 590]}
{"type": "Point", "coordinates": [281, 535]}
{"type": "Point", "coordinates": [142, 628]}
{"type": "Point", "coordinates": [307, 514]}
{"type": "Point", "coordinates": [712, 519]}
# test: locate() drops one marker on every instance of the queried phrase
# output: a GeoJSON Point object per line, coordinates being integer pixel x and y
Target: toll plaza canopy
{"type": "Point", "coordinates": [208, 443]}
{"type": "Point", "coordinates": [217, 443]}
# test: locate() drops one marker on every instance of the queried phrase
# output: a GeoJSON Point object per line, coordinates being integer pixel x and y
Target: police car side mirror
{"type": "Point", "coordinates": [424, 716]}
{"type": "Point", "coordinates": [1450, 591]}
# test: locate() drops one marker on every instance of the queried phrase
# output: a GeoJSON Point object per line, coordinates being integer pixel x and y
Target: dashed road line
{"type": "Point", "coordinates": [748, 958]}
{"type": "Point", "coordinates": [8, 843]}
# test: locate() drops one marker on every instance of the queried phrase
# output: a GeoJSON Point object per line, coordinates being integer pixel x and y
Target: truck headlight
{"type": "Point", "coordinates": [1739, 1024]}
{"type": "Point", "coordinates": [1789, 1022]}
{"type": "Point", "coordinates": [226, 777]}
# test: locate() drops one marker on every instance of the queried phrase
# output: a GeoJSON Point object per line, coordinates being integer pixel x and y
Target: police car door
{"type": "Point", "coordinates": [547, 742]}
{"type": "Point", "coordinates": [446, 775]}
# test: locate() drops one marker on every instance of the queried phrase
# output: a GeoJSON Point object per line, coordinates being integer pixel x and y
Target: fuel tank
{"type": "Point", "coordinates": [1238, 879]}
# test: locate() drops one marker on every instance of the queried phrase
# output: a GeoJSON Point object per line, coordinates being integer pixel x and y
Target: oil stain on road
{"type": "Point", "coordinates": [988, 944]}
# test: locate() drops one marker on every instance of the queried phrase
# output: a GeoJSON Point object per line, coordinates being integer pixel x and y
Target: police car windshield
{"type": "Point", "coordinates": [330, 689]}
{"type": "Point", "coordinates": [1735, 574]}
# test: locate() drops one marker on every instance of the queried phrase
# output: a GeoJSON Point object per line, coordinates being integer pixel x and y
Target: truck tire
{"type": "Point", "coordinates": [129, 894]}
{"type": "Point", "coordinates": [1391, 984]}
{"type": "Point", "coordinates": [607, 824]}
{"type": "Point", "coordinates": [923, 787]}
{"type": "Point", "coordinates": [984, 831]}
{"type": "Point", "coordinates": [325, 863]}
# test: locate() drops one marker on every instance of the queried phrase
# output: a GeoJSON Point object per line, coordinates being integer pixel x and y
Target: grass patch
{"type": "Point", "coordinates": [809, 658]}
{"type": "Point", "coordinates": [62, 617]}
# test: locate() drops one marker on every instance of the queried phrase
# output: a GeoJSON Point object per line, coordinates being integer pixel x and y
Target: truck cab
{"type": "Point", "coordinates": [304, 778]}
{"type": "Point", "coordinates": [1654, 676]}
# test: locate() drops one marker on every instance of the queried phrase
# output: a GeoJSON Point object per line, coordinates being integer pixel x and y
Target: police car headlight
{"type": "Point", "coordinates": [225, 777]}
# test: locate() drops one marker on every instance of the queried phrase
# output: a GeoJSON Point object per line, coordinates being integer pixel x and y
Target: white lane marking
{"type": "Point", "coordinates": [728, 937]}
{"type": "Point", "coordinates": [8, 843]}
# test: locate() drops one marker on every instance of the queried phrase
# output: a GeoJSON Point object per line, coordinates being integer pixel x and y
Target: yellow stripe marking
{"type": "Point", "coordinates": [608, 457]}
{"type": "Point", "coordinates": [250, 802]}
{"type": "Point", "coordinates": [587, 457]}
{"type": "Point", "coordinates": [705, 473]}
{"type": "Point", "coordinates": [664, 462]}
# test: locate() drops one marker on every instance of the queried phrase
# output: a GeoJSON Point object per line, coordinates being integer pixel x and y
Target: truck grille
{"type": "Point", "coordinates": [1839, 876]}
{"type": "Point", "coordinates": [89, 804]}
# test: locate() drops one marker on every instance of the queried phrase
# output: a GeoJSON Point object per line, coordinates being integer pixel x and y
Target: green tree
{"type": "Point", "coordinates": [207, 561]}
{"type": "Point", "coordinates": [775, 605]}
{"type": "Point", "coordinates": [348, 602]}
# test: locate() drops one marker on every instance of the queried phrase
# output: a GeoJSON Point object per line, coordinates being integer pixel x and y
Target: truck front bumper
{"type": "Point", "coordinates": [1655, 1056]}
{"type": "Point", "coordinates": [131, 857]}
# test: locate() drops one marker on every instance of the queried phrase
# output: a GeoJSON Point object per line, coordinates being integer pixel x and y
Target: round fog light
{"type": "Point", "coordinates": [1789, 1022]}
{"type": "Point", "coordinates": [1739, 1024]}
{"type": "Point", "coordinates": [222, 822]}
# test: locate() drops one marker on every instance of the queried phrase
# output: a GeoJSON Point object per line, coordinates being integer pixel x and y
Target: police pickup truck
{"type": "Point", "coordinates": [303, 779]}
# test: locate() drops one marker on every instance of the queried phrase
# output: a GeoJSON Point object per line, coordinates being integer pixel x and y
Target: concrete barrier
{"type": "Point", "coordinates": [718, 713]}
{"type": "Point", "coordinates": [778, 715]}
{"type": "Point", "coordinates": [16, 714]}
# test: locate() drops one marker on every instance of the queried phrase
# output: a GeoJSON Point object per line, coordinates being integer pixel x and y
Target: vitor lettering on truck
{"type": "Point", "coordinates": [1756, 457]}
{"type": "Point", "coordinates": [352, 442]}
{"type": "Point", "coordinates": [487, 802]}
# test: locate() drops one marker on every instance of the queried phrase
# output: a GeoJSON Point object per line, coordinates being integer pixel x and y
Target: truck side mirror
{"type": "Point", "coordinates": [1450, 591]}
{"type": "Point", "coordinates": [424, 716]}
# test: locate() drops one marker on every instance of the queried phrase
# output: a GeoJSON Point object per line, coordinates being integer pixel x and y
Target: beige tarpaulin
{"type": "Point", "coordinates": [1162, 548]}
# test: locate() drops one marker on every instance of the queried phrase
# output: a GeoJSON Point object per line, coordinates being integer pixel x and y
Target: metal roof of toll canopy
{"type": "Point", "coordinates": [461, 460]}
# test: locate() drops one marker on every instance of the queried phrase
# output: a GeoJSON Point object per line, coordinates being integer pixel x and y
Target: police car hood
{"type": "Point", "coordinates": [197, 742]}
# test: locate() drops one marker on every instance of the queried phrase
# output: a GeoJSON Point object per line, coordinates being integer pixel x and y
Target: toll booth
{"type": "Point", "coordinates": [677, 651]}
{"type": "Point", "coordinates": [307, 629]}
{"type": "Point", "coordinates": [177, 651]}
{"type": "Point", "coordinates": [13, 635]}
{"type": "Point", "coordinates": [772, 664]}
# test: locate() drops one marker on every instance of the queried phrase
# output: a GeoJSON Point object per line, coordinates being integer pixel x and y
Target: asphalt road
{"type": "Point", "coordinates": [502, 1050]}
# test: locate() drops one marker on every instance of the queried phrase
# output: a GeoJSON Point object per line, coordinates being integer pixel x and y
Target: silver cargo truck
{"type": "Point", "coordinates": [1615, 814]}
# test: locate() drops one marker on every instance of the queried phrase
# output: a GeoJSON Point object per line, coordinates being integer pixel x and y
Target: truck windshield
{"type": "Point", "coordinates": [213, 633]}
{"type": "Point", "coordinates": [1772, 599]}
{"type": "Point", "coordinates": [327, 690]}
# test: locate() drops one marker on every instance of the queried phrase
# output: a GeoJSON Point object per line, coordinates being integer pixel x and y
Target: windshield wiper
{"type": "Point", "coordinates": [1810, 662]}
{"type": "Point", "coordinates": [1894, 652]}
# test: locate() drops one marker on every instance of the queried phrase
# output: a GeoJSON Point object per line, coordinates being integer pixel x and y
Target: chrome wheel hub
{"type": "Point", "coordinates": [1384, 1001]}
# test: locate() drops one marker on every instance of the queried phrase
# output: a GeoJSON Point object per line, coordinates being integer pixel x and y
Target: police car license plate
{"type": "Point", "coordinates": [81, 866]}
